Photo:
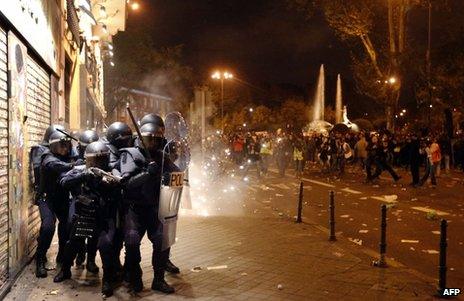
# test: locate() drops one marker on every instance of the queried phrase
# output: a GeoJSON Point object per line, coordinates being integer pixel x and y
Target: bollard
{"type": "Point", "coordinates": [332, 217]}
{"type": "Point", "coordinates": [300, 203]}
{"type": "Point", "coordinates": [442, 265]}
{"type": "Point", "coordinates": [383, 239]}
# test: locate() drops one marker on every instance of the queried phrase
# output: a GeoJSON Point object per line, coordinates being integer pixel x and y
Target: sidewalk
{"type": "Point", "coordinates": [261, 255]}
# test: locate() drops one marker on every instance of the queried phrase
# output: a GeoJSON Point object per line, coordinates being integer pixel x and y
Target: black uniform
{"type": "Point", "coordinates": [54, 204]}
{"type": "Point", "coordinates": [94, 197]}
{"type": "Point", "coordinates": [141, 195]}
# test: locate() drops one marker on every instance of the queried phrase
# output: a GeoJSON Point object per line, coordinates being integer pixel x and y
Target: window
{"type": "Point", "coordinates": [67, 87]}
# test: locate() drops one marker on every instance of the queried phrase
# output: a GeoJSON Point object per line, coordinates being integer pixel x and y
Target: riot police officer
{"type": "Point", "coordinates": [35, 160]}
{"type": "Point", "coordinates": [119, 136]}
{"type": "Point", "coordinates": [86, 138]}
{"type": "Point", "coordinates": [93, 212]}
{"type": "Point", "coordinates": [141, 172]}
{"type": "Point", "coordinates": [157, 120]}
{"type": "Point", "coordinates": [55, 202]}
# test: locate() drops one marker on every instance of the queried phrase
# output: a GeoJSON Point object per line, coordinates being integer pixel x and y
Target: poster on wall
{"type": "Point", "coordinates": [17, 64]}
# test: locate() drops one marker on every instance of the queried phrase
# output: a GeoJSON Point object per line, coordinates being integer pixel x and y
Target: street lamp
{"type": "Point", "coordinates": [218, 75]}
{"type": "Point", "coordinates": [133, 5]}
{"type": "Point", "coordinates": [251, 110]}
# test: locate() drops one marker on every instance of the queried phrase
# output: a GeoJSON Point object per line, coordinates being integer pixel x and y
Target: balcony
{"type": "Point", "coordinates": [73, 21]}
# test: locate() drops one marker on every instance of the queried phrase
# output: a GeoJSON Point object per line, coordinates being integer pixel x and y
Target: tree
{"type": "Point", "coordinates": [294, 113]}
{"type": "Point", "coordinates": [379, 68]}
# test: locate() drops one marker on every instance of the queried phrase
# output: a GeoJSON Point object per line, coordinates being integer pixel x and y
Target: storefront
{"type": "Point", "coordinates": [29, 58]}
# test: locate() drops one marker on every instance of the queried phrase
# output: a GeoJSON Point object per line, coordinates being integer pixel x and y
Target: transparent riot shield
{"type": "Point", "coordinates": [174, 168]}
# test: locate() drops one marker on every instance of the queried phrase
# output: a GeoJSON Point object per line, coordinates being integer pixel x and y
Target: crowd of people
{"type": "Point", "coordinates": [105, 194]}
{"type": "Point", "coordinates": [330, 153]}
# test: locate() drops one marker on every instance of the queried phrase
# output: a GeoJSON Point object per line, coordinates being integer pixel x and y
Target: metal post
{"type": "Point", "coordinates": [383, 239]}
{"type": "Point", "coordinates": [442, 265]}
{"type": "Point", "coordinates": [222, 103]}
{"type": "Point", "coordinates": [300, 204]}
{"type": "Point", "coordinates": [332, 216]}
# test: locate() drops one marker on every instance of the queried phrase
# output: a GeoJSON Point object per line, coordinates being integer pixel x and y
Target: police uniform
{"type": "Point", "coordinates": [54, 205]}
{"type": "Point", "coordinates": [141, 194]}
{"type": "Point", "coordinates": [93, 215]}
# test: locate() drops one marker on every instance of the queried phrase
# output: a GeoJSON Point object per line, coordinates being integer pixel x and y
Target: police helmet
{"type": "Point", "coordinates": [119, 135]}
{"type": "Point", "coordinates": [59, 144]}
{"type": "Point", "coordinates": [97, 154]}
{"type": "Point", "coordinates": [87, 137]}
{"type": "Point", "coordinates": [52, 128]}
{"type": "Point", "coordinates": [152, 118]}
{"type": "Point", "coordinates": [152, 136]}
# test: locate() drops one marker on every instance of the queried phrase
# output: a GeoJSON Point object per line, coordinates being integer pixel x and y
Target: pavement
{"type": "Point", "coordinates": [238, 241]}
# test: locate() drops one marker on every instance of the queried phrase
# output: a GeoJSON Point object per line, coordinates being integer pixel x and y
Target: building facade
{"type": "Point", "coordinates": [141, 103]}
{"type": "Point", "coordinates": [52, 55]}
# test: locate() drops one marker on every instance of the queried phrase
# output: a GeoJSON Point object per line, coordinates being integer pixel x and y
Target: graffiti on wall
{"type": "Point", "coordinates": [17, 64]}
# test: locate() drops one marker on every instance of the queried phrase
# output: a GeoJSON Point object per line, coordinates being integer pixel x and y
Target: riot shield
{"type": "Point", "coordinates": [173, 170]}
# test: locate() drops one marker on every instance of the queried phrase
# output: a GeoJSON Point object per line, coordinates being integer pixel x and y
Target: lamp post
{"type": "Point", "coordinates": [222, 76]}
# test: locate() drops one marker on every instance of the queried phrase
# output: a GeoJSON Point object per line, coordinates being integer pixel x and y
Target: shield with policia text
{"type": "Point", "coordinates": [173, 174]}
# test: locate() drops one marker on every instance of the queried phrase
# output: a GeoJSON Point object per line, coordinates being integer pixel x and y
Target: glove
{"type": "Point", "coordinates": [79, 162]}
{"type": "Point", "coordinates": [153, 168]}
{"type": "Point", "coordinates": [90, 176]}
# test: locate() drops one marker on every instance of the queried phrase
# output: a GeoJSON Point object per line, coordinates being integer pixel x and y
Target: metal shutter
{"type": "Point", "coordinates": [3, 159]}
{"type": "Point", "coordinates": [38, 110]}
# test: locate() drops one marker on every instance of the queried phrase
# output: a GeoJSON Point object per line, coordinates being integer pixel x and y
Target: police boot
{"type": "Point", "coordinates": [171, 268]}
{"type": "Point", "coordinates": [159, 284]}
{"type": "Point", "coordinates": [40, 270]}
{"type": "Point", "coordinates": [108, 283]}
{"type": "Point", "coordinates": [92, 267]}
{"type": "Point", "coordinates": [135, 279]}
{"type": "Point", "coordinates": [65, 273]}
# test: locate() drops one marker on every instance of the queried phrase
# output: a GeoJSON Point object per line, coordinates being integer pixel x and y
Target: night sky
{"type": "Point", "coordinates": [260, 41]}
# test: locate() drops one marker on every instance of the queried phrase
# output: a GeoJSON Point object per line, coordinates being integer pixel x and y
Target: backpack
{"type": "Point", "coordinates": [35, 161]}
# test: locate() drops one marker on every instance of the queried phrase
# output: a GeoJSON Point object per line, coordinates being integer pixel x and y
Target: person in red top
{"type": "Point", "coordinates": [237, 148]}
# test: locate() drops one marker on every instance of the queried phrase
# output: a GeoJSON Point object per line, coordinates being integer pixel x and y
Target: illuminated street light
{"type": "Point", "coordinates": [244, 125]}
{"type": "Point", "coordinates": [112, 64]}
{"type": "Point", "coordinates": [135, 6]}
{"type": "Point", "coordinates": [217, 75]}
{"type": "Point", "coordinates": [111, 53]}
{"type": "Point", "coordinates": [404, 110]}
{"type": "Point", "coordinates": [392, 80]}
{"type": "Point", "coordinates": [251, 110]}
{"type": "Point", "coordinates": [431, 106]}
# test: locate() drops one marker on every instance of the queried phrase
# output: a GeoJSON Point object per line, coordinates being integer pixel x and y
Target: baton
{"type": "Point", "coordinates": [67, 135]}
{"type": "Point", "coordinates": [139, 134]}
